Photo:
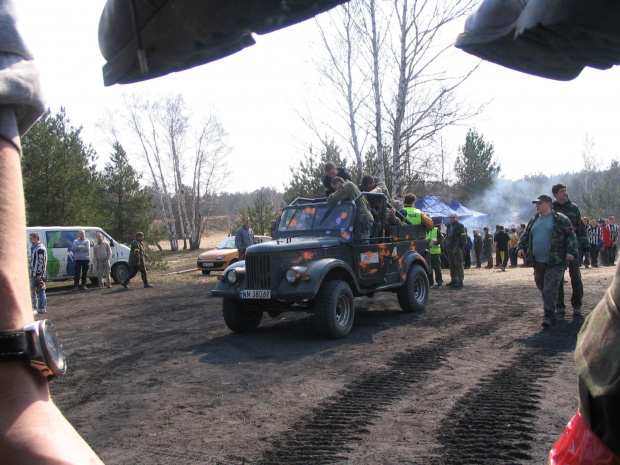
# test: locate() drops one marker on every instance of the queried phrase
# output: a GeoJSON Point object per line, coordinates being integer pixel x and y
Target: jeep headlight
{"type": "Point", "coordinates": [235, 275]}
{"type": "Point", "coordinates": [295, 273]}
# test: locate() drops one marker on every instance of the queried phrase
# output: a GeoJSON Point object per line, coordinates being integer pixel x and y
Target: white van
{"type": "Point", "coordinates": [59, 243]}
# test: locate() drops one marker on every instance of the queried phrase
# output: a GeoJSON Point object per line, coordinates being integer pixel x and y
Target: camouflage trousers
{"type": "Point", "coordinates": [547, 278]}
{"type": "Point", "coordinates": [576, 284]}
{"type": "Point", "coordinates": [436, 268]}
{"type": "Point", "coordinates": [455, 259]}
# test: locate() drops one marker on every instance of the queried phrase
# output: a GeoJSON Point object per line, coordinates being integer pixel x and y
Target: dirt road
{"type": "Point", "coordinates": [155, 377]}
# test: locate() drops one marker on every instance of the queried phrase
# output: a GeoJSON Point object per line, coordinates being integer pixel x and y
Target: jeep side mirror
{"type": "Point", "coordinates": [273, 227]}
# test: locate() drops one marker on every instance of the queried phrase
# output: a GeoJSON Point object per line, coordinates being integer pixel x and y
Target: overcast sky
{"type": "Point", "coordinates": [536, 125]}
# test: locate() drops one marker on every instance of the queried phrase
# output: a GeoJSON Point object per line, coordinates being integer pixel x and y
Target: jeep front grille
{"type": "Point", "coordinates": [258, 271]}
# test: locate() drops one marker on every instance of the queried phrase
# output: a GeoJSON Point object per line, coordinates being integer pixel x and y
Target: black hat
{"type": "Point", "coordinates": [600, 220]}
{"type": "Point", "coordinates": [543, 198]}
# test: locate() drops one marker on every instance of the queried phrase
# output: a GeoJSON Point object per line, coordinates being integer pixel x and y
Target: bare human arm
{"type": "Point", "coordinates": [32, 429]}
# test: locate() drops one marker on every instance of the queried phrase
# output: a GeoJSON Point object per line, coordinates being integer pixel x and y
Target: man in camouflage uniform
{"type": "Point", "coordinates": [136, 261]}
{"type": "Point", "coordinates": [455, 241]}
{"type": "Point", "coordinates": [548, 242]}
{"type": "Point", "coordinates": [346, 190]}
{"type": "Point", "coordinates": [562, 204]}
{"type": "Point", "coordinates": [487, 247]}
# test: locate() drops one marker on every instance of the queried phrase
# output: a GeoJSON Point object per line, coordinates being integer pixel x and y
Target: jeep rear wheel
{"type": "Point", "coordinates": [334, 310]}
{"type": "Point", "coordinates": [413, 294]}
{"type": "Point", "coordinates": [239, 318]}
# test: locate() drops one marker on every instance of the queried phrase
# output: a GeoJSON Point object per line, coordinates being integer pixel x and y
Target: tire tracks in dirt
{"type": "Point", "coordinates": [493, 423]}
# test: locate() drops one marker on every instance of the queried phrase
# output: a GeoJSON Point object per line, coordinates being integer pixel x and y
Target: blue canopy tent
{"type": "Point", "coordinates": [434, 207]}
{"type": "Point", "coordinates": [464, 212]}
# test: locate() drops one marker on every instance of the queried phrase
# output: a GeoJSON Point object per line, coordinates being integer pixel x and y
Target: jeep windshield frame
{"type": "Point", "coordinates": [317, 219]}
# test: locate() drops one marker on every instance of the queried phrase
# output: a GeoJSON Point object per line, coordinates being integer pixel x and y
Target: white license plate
{"type": "Point", "coordinates": [256, 294]}
{"type": "Point", "coordinates": [207, 265]}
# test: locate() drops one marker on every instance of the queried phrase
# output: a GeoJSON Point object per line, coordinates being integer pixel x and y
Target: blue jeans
{"type": "Point", "coordinates": [37, 295]}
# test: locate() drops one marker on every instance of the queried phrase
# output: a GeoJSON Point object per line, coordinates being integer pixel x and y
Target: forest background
{"type": "Point", "coordinates": [388, 83]}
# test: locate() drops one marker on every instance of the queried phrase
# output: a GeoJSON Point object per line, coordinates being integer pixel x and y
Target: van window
{"type": "Point", "coordinates": [60, 239]}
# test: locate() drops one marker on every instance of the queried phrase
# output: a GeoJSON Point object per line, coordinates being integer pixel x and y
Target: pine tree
{"type": "Point", "coordinates": [130, 206]}
{"type": "Point", "coordinates": [475, 169]}
{"type": "Point", "coordinates": [60, 182]}
{"type": "Point", "coordinates": [307, 177]}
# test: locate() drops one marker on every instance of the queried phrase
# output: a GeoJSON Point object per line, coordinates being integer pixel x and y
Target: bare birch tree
{"type": "Point", "coordinates": [343, 44]}
{"type": "Point", "coordinates": [140, 109]}
{"type": "Point", "coordinates": [209, 172]}
{"type": "Point", "coordinates": [163, 131]}
{"type": "Point", "coordinates": [425, 101]}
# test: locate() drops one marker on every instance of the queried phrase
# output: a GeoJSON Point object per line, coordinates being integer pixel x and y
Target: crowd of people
{"type": "Point", "coordinates": [556, 239]}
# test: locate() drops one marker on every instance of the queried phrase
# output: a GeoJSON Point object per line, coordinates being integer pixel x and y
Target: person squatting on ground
{"type": "Point", "coordinates": [81, 260]}
{"type": "Point", "coordinates": [103, 253]}
{"type": "Point", "coordinates": [346, 190]}
{"type": "Point", "coordinates": [501, 246]}
{"type": "Point", "coordinates": [331, 171]}
{"type": "Point", "coordinates": [562, 204]}
{"type": "Point", "coordinates": [244, 237]}
{"type": "Point", "coordinates": [38, 270]}
{"type": "Point", "coordinates": [478, 248]}
{"type": "Point", "coordinates": [487, 247]}
{"type": "Point", "coordinates": [549, 241]}
{"type": "Point", "coordinates": [435, 239]}
{"type": "Point", "coordinates": [455, 242]}
{"type": "Point", "coordinates": [32, 428]}
{"type": "Point", "coordinates": [136, 261]}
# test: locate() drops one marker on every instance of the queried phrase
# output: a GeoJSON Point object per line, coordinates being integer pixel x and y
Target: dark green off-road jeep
{"type": "Point", "coordinates": [318, 263]}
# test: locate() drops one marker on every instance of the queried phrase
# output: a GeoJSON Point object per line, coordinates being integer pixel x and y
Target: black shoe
{"type": "Point", "coordinates": [124, 284]}
{"type": "Point", "coordinates": [546, 323]}
{"type": "Point", "coordinates": [451, 283]}
{"type": "Point", "coordinates": [147, 285]}
{"type": "Point", "coordinates": [576, 311]}
{"type": "Point", "coordinates": [438, 284]}
{"type": "Point", "coordinates": [457, 286]}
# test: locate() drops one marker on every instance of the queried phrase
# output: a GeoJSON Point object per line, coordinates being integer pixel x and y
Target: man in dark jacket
{"type": "Point", "coordinates": [136, 261]}
{"type": "Point", "coordinates": [549, 242]}
{"type": "Point", "coordinates": [562, 204]}
{"type": "Point", "coordinates": [487, 247]}
{"type": "Point", "coordinates": [478, 248]}
{"type": "Point", "coordinates": [331, 171]}
{"type": "Point", "coordinates": [455, 241]}
{"type": "Point", "coordinates": [501, 246]}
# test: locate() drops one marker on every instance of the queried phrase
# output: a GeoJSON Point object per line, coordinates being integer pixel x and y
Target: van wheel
{"type": "Point", "coordinates": [413, 294]}
{"type": "Point", "coordinates": [334, 310]}
{"type": "Point", "coordinates": [239, 318]}
{"type": "Point", "coordinates": [120, 272]}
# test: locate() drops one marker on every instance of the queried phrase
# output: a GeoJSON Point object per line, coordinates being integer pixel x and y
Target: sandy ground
{"type": "Point", "coordinates": [156, 377]}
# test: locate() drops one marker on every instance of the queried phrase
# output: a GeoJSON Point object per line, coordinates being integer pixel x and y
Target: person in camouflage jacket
{"type": "Point", "coordinates": [346, 190]}
{"type": "Point", "coordinates": [136, 261]}
{"type": "Point", "coordinates": [552, 236]}
{"type": "Point", "coordinates": [487, 247]}
{"type": "Point", "coordinates": [562, 204]}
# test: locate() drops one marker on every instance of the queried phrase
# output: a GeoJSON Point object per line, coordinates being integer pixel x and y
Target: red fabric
{"type": "Point", "coordinates": [578, 445]}
{"type": "Point", "coordinates": [606, 236]}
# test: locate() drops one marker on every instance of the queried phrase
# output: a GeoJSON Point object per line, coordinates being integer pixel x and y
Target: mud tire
{"type": "Point", "coordinates": [413, 294]}
{"type": "Point", "coordinates": [334, 310]}
{"type": "Point", "coordinates": [239, 318]}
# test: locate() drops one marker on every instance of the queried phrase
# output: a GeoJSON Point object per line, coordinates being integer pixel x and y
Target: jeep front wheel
{"type": "Point", "coordinates": [239, 318]}
{"type": "Point", "coordinates": [413, 294]}
{"type": "Point", "coordinates": [334, 310]}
